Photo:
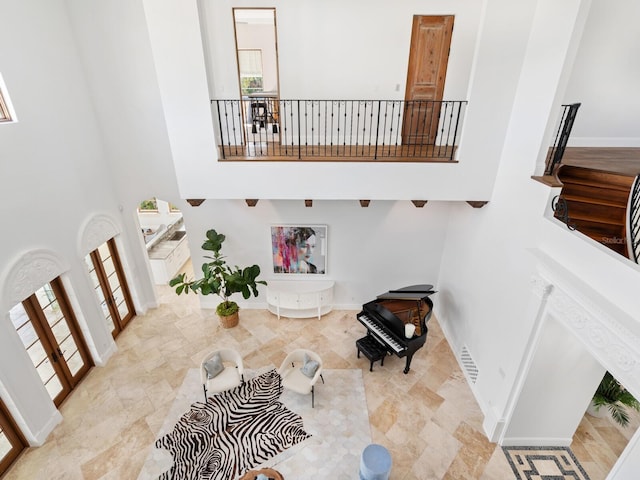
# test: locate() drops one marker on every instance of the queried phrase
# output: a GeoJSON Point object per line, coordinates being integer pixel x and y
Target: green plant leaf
{"type": "Point", "coordinates": [612, 395]}
{"type": "Point", "coordinates": [218, 277]}
{"type": "Point", "coordinates": [176, 280]}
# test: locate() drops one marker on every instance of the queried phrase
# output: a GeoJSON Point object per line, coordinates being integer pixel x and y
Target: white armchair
{"type": "Point", "coordinates": [299, 376]}
{"type": "Point", "coordinates": [221, 370]}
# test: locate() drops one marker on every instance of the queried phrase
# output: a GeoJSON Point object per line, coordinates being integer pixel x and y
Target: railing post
{"type": "Point", "coordinates": [633, 221]}
{"type": "Point", "coordinates": [299, 137]}
{"type": "Point", "coordinates": [455, 130]}
{"type": "Point", "coordinates": [375, 153]}
{"type": "Point", "coordinates": [564, 130]}
{"type": "Point", "coordinates": [220, 125]}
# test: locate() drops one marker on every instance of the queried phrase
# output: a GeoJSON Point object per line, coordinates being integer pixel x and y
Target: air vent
{"type": "Point", "coordinates": [469, 365]}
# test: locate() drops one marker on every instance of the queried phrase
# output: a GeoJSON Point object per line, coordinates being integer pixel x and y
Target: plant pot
{"type": "Point", "coordinates": [602, 412]}
{"type": "Point", "coordinates": [229, 321]}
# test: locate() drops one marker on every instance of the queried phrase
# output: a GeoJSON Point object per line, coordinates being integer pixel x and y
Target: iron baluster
{"type": "Point", "coordinates": [561, 211]}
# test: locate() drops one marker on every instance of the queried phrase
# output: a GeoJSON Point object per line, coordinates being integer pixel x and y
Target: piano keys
{"type": "Point", "coordinates": [386, 316]}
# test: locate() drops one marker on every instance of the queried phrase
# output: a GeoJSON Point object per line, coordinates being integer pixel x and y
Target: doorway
{"type": "Point", "coordinates": [49, 332]}
{"type": "Point", "coordinates": [426, 74]}
{"type": "Point", "coordinates": [257, 61]}
{"type": "Point", "coordinates": [110, 285]}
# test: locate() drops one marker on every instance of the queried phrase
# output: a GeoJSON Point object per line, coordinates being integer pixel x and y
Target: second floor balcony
{"type": "Point", "coordinates": [263, 127]}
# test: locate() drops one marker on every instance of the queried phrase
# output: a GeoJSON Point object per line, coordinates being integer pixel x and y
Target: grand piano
{"type": "Point", "coordinates": [386, 317]}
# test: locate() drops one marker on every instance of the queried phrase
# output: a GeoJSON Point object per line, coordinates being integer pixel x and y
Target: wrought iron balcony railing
{"type": "Point", "coordinates": [554, 158]}
{"type": "Point", "coordinates": [633, 221]}
{"type": "Point", "coordinates": [339, 130]}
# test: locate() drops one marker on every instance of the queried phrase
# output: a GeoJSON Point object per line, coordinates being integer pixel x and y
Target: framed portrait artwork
{"type": "Point", "coordinates": [299, 249]}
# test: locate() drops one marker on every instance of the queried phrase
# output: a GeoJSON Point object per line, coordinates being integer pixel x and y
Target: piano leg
{"type": "Point", "coordinates": [408, 364]}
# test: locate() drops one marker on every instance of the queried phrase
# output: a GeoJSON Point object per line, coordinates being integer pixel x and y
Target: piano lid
{"type": "Point", "coordinates": [413, 292]}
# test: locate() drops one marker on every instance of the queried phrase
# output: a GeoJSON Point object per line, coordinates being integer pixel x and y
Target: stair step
{"type": "Point", "coordinates": [594, 201]}
{"type": "Point", "coordinates": [596, 178]}
{"type": "Point", "coordinates": [596, 213]}
{"type": "Point", "coordinates": [606, 196]}
{"type": "Point", "coordinates": [611, 236]}
{"type": "Point", "coordinates": [599, 231]}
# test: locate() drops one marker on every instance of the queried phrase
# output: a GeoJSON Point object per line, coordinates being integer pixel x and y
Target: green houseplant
{"type": "Point", "coordinates": [615, 398]}
{"type": "Point", "coordinates": [221, 279]}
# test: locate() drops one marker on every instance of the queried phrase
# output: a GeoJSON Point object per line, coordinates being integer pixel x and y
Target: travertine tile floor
{"type": "Point", "coordinates": [428, 419]}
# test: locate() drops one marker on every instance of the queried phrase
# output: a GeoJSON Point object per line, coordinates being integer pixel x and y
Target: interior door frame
{"type": "Point", "coordinates": [235, 39]}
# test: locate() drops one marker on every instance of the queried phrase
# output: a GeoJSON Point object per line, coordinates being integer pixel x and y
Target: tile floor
{"type": "Point", "coordinates": [428, 419]}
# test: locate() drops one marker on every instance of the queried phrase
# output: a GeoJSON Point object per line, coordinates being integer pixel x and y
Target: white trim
{"type": "Point", "coordinates": [41, 435]}
{"type": "Point", "coordinates": [604, 142]}
{"type": "Point", "coordinates": [537, 442]}
{"type": "Point", "coordinates": [28, 273]}
{"type": "Point", "coordinates": [595, 321]}
{"type": "Point", "coordinates": [96, 231]}
{"type": "Point", "coordinates": [542, 290]}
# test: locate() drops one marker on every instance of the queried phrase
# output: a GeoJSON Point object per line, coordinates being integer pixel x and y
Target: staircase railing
{"type": "Point", "coordinates": [348, 130]}
{"type": "Point", "coordinates": [569, 112]}
{"type": "Point", "coordinates": [633, 221]}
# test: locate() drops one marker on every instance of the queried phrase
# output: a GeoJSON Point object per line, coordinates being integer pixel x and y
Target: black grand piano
{"type": "Point", "coordinates": [386, 316]}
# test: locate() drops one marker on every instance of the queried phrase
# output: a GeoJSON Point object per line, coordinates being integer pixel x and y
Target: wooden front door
{"type": "Point", "coordinates": [428, 58]}
{"type": "Point", "coordinates": [110, 286]}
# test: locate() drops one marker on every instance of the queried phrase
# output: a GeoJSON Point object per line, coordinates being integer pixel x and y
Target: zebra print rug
{"type": "Point", "coordinates": [233, 432]}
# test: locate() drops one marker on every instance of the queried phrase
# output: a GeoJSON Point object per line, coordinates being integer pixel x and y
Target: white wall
{"type": "Point", "coordinates": [114, 108]}
{"type": "Point", "coordinates": [559, 383]}
{"type": "Point", "coordinates": [338, 50]}
{"type": "Point", "coordinates": [370, 250]}
{"type": "Point", "coordinates": [486, 299]}
{"type": "Point", "coordinates": [115, 53]}
{"type": "Point", "coordinates": [53, 178]}
{"type": "Point", "coordinates": [331, 50]}
{"type": "Point", "coordinates": [605, 77]}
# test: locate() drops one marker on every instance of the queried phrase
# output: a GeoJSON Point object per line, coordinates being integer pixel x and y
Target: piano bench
{"type": "Point", "coordinates": [371, 349]}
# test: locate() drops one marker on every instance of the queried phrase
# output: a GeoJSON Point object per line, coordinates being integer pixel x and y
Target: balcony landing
{"type": "Point", "coordinates": [277, 152]}
{"type": "Point", "coordinates": [623, 160]}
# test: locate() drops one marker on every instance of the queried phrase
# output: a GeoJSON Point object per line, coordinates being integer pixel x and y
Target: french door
{"type": "Point", "coordinates": [110, 286]}
{"type": "Point", "coordinates": [11, 441]}
{"type": "Point", "coordinates": [49, 332]}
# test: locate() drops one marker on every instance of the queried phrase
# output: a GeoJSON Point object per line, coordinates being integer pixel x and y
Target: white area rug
{"type": "Point", "coordinates": [339, 427]}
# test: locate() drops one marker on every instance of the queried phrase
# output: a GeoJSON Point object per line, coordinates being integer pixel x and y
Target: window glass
{"type": "Point", "coordinates": [5, 104]}
{"type": "Point", "coordinates": [250, 63]}
{"type": "Point", "coordinates": [150, 205]}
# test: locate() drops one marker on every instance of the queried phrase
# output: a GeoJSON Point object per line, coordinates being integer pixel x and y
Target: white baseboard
{"type": "Point", "coordinates": [106, 355]}
{"type": "Point", "coordinates": [604, 142]}
{"type": "Point", "coordinates": [536, 442]}
{"type": "Point", "coordinates": [492, 425]}
{"type": "Point", "coordinates": [39, 437]}
{"type": "Point", "coordinates": [213, 303]}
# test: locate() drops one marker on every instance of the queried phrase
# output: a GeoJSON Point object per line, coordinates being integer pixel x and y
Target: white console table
{"type": "Point", "coordinates": [300, 298]}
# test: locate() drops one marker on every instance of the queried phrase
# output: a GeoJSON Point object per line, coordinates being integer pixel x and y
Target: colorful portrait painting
{"type": "Point", "coordinates": [299, 249]}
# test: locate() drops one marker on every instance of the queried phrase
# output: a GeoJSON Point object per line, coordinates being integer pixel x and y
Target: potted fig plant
{"type": "Point", "coordinates": [221, 279]}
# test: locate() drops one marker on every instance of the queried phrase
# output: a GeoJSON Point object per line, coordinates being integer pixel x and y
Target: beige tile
{"type": "Point", "coordinates": [428, 419]}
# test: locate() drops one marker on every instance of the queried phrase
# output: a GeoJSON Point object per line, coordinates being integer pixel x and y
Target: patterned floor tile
{"type": "Point", "coordinates": [544, 463]}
